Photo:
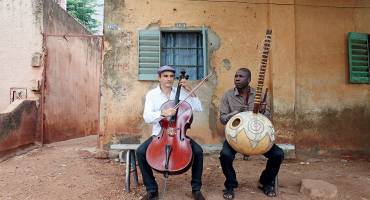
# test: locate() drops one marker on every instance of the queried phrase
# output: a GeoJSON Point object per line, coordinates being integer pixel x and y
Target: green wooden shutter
{"type": "Point", "coordinates": [358, 53]}
{"type": "Point", "coordinates": [149, 54]}
{"type": "Point", "coordinates": [205, 51]}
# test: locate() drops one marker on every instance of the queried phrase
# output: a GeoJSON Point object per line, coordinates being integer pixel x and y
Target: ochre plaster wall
{"type": "Point", "coordinates": [307, 71]}
{"type": "Point", "coordinates": [330, 112]}
{"type": "Point", "coordinates": [236, 34]}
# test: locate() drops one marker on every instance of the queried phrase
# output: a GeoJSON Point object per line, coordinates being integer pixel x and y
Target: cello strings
{"type": "Point", "coordinates": [193, 90]}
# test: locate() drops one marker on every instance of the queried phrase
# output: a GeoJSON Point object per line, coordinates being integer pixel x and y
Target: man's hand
{"type": "Point", "coordinates": [263, 107]}
{"type": "Point", "coordinates": [185, 85]}
{"type": "Point", "coordinates": [168, 112]}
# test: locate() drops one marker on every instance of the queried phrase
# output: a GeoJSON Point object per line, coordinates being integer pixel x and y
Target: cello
{"type": "Point", "coordinates": [170, 151]}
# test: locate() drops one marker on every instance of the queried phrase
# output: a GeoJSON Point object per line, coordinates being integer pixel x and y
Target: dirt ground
{"type": "Point", "coordinates": [65, 170]}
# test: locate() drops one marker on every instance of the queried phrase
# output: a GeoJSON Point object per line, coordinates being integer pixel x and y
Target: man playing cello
{"type": "Point", "coordinates": [153, 114]}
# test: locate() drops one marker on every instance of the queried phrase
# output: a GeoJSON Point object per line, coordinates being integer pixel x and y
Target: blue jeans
{"type": "Point", "coordinates": [275, 157]}
{"type": "Point", "coordinates": [147, 172]}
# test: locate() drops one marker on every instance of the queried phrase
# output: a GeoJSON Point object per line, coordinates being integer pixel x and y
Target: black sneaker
{"type": "Point", "coordinates": [268, 190]}
{"type": "Point", "coordinates": [197, 195]}
{"type": "Point", "coordinates": [228, 194]}
{"type": "Point", "coordinates": [151, 196]}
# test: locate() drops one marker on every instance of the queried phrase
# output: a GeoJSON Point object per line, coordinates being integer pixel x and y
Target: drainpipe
{"type": "Point", "coordinates": [43, 85]}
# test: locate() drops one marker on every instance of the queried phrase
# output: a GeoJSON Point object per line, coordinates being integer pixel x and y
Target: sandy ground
{"type": "Point", "coordinates": [65, 170]}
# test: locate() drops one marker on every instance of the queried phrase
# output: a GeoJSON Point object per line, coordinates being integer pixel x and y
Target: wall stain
{"type": "Point", "coordinates": [119, 44]}
{"type": "Point", "coordinates": [226, 64]}
{"type": "Point", "coordinates": [334, 131]}
{"type": "Point", "coordinates": [12, 121]}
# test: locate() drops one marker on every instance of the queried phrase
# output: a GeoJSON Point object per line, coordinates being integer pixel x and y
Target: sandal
{"type": "Point", "coordinates": [228, 194]}
{"type": "Point", "coordinates": [268, 190]}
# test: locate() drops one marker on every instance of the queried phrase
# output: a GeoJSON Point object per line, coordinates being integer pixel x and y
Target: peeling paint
{"type": "Point", "coordinates": [37, 11]}
{"type": "Point", "coordinates": [214, 41]}
{"type": "Point", "coordinates": [226, 64]}
{"type": "Point", "coordinates": [154, 25]}
{"type": "Point", "coordinates": [115, 69]}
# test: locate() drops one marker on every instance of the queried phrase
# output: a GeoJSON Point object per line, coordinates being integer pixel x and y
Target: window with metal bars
{"type": "Point", "coordinates": [181, 49]}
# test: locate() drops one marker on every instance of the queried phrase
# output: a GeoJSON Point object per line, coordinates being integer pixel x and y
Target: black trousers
{"type": "Point", "coordinates": [275, 157]}
{"type": "Point", "coordinates": [147, 172]}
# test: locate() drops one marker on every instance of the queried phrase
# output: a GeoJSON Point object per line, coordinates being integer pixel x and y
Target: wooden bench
{"type": "Point", "coordinates": [130, 162]}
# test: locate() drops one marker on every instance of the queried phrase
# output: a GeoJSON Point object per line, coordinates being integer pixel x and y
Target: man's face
{"type": "Point", "coordinates": [166, 79]}
{"type": "Point", "coordinates": [241, 79]}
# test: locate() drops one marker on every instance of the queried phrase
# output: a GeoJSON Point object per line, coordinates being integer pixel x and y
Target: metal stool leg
{"type": "Point", "coordinates": [276, 185]}
{"type": "Point", "coordinates": [128, 170]}
{"type": "Point", "coordinates": [134, 169]}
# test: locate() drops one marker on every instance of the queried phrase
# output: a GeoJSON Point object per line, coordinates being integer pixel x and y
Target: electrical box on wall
{"type": "Point", "coordinates": [36, 59]}
{"type": "Point", "coordinates": [16, 93]}
{"type": "Point", "coordinates": [35, 85]}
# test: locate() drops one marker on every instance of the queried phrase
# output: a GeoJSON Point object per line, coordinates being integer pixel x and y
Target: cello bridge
{"type": "Point", "coordinates": [171, 131]}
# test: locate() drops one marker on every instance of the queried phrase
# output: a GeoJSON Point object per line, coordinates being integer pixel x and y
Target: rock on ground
{"type": "Point", "coordinates": [318, 189]}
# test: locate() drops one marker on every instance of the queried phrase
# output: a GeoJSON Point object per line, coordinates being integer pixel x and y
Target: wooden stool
{"type": "Point", "coordinates": [276, 182]}
{"type": "Point", "coordinates": [130, 162]}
